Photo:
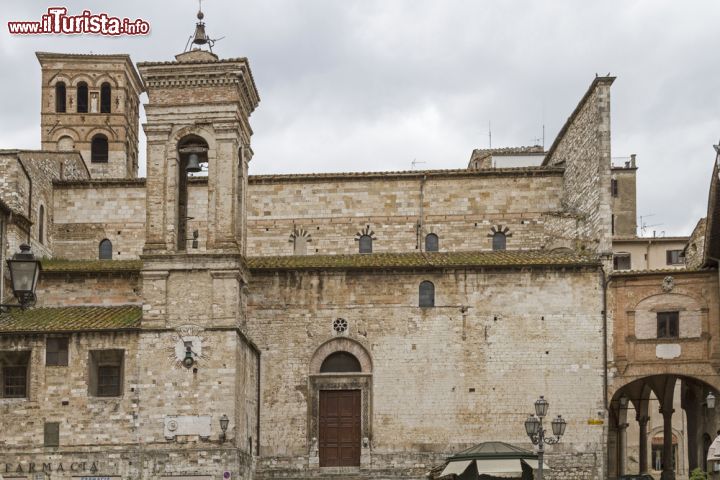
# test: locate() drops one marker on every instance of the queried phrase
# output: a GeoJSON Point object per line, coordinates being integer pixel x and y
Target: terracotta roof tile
{"type": "Point", "coordinates": [71, 319]}
{"type": "Point", "coordinates": [505, 258]}
{"type": "Point", "coordinates": [94, 266]}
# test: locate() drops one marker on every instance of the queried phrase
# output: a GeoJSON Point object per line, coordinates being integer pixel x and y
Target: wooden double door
{"type": "Point", "coordinates": [340, 428]}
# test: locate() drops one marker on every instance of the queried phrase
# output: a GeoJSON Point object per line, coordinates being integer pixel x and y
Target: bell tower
{"type": "Point", "coordinates": [198, 149]}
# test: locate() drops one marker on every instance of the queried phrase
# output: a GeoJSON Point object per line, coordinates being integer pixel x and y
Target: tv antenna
{"type": "Point", "coordinates": [644, 226]}
{"type": "Point", "coordinates": [414, 163]}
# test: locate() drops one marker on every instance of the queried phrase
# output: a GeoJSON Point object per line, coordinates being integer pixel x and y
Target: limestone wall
{"type": "Point", "coordinates": [583, 148]}
{"type": "Point", "coordinates": [88, 213]}
{"type": "Point", "coordinates": [399, 210]}
{"type": "Point", "coordinates": [440, 376]}
{"type": "Point", "coordinates": [125, 436]}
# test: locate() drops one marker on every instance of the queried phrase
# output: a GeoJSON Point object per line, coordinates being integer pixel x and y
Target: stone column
{"type": "Point", "coordinates": [668, 473]}
{"type": "Point", "coordinates": [642, 422]}
{"type": "Point", "coordinates": [622, 448]}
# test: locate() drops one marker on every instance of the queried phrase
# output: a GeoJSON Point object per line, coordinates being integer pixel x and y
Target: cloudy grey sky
{"type": "Point", "coordinates": [355, 85]}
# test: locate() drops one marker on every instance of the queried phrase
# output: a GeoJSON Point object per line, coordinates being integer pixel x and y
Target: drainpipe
{"type": "Point", "coordinates": [605, 281]}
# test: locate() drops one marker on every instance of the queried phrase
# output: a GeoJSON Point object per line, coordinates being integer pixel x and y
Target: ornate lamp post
{"type": "Point", "coordinates": [24, 274]}
{"type": "Point", "coordinates": [536, 432]}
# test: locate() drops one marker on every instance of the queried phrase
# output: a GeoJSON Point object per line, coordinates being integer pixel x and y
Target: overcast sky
{"type": "Point", "coordinates": [357, 85]}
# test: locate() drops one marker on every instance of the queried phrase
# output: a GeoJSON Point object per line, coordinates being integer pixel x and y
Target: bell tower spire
{"type": "Point", "coordinates": [200, 38]}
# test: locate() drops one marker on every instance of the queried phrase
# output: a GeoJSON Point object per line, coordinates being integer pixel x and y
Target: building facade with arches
{"type": "Point", "coordinates": [329, 325]}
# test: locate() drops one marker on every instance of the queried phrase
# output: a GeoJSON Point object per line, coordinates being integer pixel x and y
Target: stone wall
{"type": "Point", "coordinates": [89, 212]}
{"type": "Point", "coordinates": [462, 208]}
{"type": "Point", "coordinates": [125, 436]}
{"type": "Point", "coordinates": [695, 250]}
{"type": "Point", "coordinates": [624, 203]}
{"type": "Point", "coordinates": [583, 148]}
{"type": "Point", "coordinates": [439, 375]}
{"type": "Point", "coordinates": [73, 289]}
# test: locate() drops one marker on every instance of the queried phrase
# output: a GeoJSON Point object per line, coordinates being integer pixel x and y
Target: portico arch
{"type": "Point", "coordinates": [665, 406]}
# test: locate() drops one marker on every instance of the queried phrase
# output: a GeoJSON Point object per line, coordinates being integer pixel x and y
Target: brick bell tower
{"type": "Point", "coordinates": [90, 104]}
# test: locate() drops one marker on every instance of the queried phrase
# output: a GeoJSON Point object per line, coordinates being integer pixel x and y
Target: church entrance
{"type": "Point", "coordinates": [340, 432]}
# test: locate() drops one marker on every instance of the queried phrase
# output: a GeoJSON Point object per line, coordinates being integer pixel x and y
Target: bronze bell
{"type": "Point", "coordinates": [193, 164]}
{"type": "Point", "coordinates": [200, 37]}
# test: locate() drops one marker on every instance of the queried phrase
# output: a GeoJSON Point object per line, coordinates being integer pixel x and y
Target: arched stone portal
{"type": "Point", "coordinates": [339, 404]}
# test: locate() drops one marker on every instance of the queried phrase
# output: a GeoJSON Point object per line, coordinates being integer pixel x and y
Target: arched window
{"type": "Point", "coordinates": [41, 224]}
{"type": "Point", "coordinates": [65, 144]}
{"type": "Point", "coordinates": [82, 97]}
{"type": "Point", "coordinates": [60, 97]}
{"type": "Point", "coordinates": [99, 149]}
{"type": "Point", "coordinates": [105, 96]}
{"type": "Point", "coordinates": [105, 250]}
{"type": "Point", "coordinates": [340, 362]}
{"type": "Point", "coordinates": [498, 241]}
{"type": "Point", "coordinates": [427, 294]}
{"type": "Point", "coordinates": [365, 244]}
{"type": "Point", "coordinates": [432, 243]}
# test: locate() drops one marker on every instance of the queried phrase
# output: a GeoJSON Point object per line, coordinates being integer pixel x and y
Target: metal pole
{"type": "Point", "coordinates": [541, 451]}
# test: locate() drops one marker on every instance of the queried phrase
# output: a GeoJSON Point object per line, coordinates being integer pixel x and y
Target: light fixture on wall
{"type": "Point", "coordinates": [710, 400]}
{"type": "Point", "coordinates": [24, 274]}
{"type": "Point", "coordinates": [224, 422]}
{"type": "Point", "coordinates": [189, 359]}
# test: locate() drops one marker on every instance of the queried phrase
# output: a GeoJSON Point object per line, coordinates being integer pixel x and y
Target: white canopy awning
{"type": "Point", "coordinates": [492, 466]}
{"type": "Point", "coordinates": [456, 468]}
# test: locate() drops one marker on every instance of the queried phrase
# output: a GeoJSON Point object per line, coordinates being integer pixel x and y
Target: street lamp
{"type": "Point", "coordinates": [536, 432]}
{"type": "Point", "coordinates": [710, 399]}
{"type": "Point", "coordinates": [24, 274]}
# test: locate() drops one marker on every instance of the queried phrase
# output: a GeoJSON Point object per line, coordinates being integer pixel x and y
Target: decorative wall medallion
{"type": "Point", "coordinates": [668, 284]}
{"type": "Point", "coordinates": [188, 349]}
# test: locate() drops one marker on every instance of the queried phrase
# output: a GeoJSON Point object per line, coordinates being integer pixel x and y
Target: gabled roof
{"type": "Point", "coordinates": [498, 450]}
{"type": "Point", "coordinates": [71, 319]}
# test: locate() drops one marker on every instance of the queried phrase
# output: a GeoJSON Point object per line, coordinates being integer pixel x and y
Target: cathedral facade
{"type": "Point", "coordinates": [201, 323]}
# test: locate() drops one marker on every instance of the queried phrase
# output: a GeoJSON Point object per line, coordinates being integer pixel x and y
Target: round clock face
{"type": "Point", "coordinates": [187, 337]}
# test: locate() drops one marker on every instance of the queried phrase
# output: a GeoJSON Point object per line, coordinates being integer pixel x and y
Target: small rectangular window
{"type": "Point", "coordinates": [674, 257]}
{"type": "Point", "coordinates": [56, 352]}
{"type": "Point", "coordinates": [614, 187]}
{"type": "Point", "coordinates": [14, 368]}
{"type": "Point", "coordinates": [52, 434]}
{"type": "Point", "coordinates": [106, 373]}
{"type": "Point", "coordinates": [668, 324]}
{"type": "Point", "coordinates": [621, 261]}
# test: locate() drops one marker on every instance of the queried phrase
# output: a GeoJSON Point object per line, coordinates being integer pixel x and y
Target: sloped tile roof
{"type": "Point", "coordinates": [94, 266]}
{"type": "Point", "coordinates": [71, 319]}
{"type": "Point", "coordinates": [505, 258]}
